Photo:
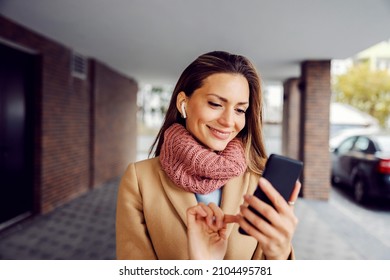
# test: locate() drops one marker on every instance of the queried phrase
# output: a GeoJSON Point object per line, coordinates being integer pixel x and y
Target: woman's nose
{"type": "Point", "coordinates": [227, 118]}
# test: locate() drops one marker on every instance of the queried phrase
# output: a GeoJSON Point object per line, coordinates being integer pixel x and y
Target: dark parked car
{"type": "Point", "coordinates": [362, 162]}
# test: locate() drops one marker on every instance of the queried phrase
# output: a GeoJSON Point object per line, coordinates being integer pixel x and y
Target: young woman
{"type": "Point", "coordinates": [190, 199]}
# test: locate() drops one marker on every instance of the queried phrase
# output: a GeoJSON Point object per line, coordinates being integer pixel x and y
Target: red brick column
{"type": "Point", "coordinates": [291, 118]}
{"type": "Point", "coordinates": [316, 93]}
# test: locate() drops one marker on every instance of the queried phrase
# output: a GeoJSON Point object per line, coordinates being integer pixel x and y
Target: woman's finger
{"type": "Point", "coordinates": [192, 212]}
{"type": "Point", "coordinates": [295, 193]}
{"type": "Point", "coordinates": [218, 215]}
{"type": "Point", "coordinates": [210, 213]}
{"type": "Point", "coordinates": [277, 200]}
{"type": "Point", "coordinates": [269, 190]}
{"type": "Point", "coordinates": [268, 215]}
{"type": "Point", "coordinates": [228, 219]}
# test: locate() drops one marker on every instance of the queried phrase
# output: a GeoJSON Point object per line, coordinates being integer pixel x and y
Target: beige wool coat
{"type": "Point", "coordinates": [151, 220]}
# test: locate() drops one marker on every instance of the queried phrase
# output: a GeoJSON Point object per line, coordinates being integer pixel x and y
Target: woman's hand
{"type": "Point", "coordinates": [275, 236]}
{"type": "Point", "coordinates": [206, 232]}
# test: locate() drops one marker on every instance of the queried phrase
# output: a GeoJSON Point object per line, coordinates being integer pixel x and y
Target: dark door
{"type": "Point", "coordinates": [16, 133]}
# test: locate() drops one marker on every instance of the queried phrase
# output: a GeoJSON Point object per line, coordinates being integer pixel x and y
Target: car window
{"type": "Point", "coordinates": [361, 144]}
{"type": "Point", "coordinates": [346, 145]}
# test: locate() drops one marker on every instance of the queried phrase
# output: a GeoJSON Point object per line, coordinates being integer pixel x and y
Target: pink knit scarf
{"type": "Point", "coordinates": [194, 167]}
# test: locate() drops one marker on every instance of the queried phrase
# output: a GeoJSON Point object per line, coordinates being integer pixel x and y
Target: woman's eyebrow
{"type": "Point", "coordinates": [225, 100]}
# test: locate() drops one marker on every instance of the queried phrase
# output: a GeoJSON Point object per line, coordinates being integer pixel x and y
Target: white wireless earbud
{"type": "Point", "coordinates": [183, 110]}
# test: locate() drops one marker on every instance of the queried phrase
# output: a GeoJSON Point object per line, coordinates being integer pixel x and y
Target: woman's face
{"type": "Point", "coordinates": [216, 111]}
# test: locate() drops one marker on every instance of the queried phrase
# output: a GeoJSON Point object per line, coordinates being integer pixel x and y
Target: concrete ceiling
{"type": "Point", "coordinates": [154, 40]}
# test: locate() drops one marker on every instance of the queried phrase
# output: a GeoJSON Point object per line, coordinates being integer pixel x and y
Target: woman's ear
{"type": "Point", "coordinates": [181, 101]}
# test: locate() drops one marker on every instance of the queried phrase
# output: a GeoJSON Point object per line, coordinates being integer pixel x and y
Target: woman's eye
{"type": "Point", "coordinates": [214, 104]}
{"type": "Point", "coordinates": [241, 111]}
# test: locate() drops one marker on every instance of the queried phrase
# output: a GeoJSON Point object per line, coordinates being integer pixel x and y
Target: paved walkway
{"type": "Point", "coordinates": [81, 229]}
{"type": "Point", "coordinates": [339, 229]}
{"type": "Point", "coordinates": [85, 229]}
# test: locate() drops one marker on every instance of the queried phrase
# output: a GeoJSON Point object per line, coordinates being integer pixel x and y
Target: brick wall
{"type": "Point", "coordinates": [115, 130]}
{"type": "Point", "coordinates": [65, 131]}
{"type": "Point", "coordinates": [315, 106]}
{"type": "Point", "coordinates": [68, 162]}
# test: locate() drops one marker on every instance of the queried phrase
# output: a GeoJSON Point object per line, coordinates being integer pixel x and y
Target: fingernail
{"type": "Point", "coordinates": [262, 180]}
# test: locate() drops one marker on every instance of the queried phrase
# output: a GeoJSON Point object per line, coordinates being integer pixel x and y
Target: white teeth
{"type": "Point", "coordinates": [219, 132]}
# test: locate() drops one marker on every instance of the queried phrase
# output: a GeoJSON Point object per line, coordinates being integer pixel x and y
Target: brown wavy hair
{"type": "Point", "coordinates": [192, 78]}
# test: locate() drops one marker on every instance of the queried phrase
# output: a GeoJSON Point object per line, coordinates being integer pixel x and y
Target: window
{"type": "Point", "coordinates": [361, 144]}
{"type": "Point", "coordinates": [346, 145]}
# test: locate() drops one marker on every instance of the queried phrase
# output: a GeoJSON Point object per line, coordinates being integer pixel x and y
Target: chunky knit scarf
{"type": "Point", "coordinates": [194, 167]}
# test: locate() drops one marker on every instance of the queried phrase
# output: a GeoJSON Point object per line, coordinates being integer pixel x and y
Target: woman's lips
{"type": "Point", "coordinates": [220, 134]}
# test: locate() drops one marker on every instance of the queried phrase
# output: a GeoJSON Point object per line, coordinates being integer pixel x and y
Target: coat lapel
{"type": "Point", "coordinates": [232, 196]}
{"type": "Point", "coordinates": [180, 199]}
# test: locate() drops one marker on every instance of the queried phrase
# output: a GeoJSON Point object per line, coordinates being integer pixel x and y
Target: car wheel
{"type": "Point", "coordinates": [359, 191]}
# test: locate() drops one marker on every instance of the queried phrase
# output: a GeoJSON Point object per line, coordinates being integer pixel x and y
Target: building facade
{"type": "Point", "coordinates": [62, 134]}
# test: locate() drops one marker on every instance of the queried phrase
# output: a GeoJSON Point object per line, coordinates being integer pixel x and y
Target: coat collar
{"type": "Point", "coordinates": [232, 196]}
{"type": "Point", "coordinates": [181, 200]}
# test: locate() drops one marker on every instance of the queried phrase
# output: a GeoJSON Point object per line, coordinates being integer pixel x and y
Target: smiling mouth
{"type": "Point", "coordinates": [223, 135]}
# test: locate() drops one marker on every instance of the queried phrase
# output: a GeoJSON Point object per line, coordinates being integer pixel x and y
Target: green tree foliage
{"type": "Point", "coordinates": [365, 89]}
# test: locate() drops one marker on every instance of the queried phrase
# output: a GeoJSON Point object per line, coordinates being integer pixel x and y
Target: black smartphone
{"type": "Point", "coordinates": [282, 172]}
